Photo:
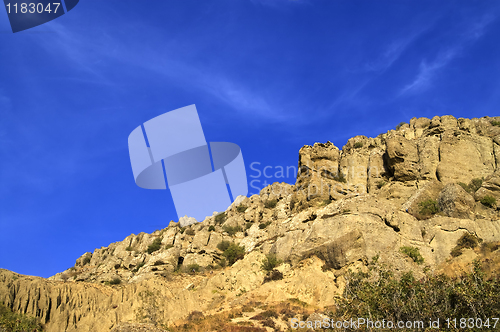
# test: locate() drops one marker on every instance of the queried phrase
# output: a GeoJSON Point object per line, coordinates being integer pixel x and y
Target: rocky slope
{"type": "Point", "coordinates": [423, 185]}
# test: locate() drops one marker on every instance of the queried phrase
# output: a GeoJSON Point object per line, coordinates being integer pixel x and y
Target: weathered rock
{"type": "Point", "coordinates": [346, 207]}
{"type": "Point", "coordinates": [186, 221]}
{"type": "Point", "coordinates": [490, 187]}
{"type": "Point", "coordinates": [402, 158]}
{"type": "Point", "coordinates": [455, 202]}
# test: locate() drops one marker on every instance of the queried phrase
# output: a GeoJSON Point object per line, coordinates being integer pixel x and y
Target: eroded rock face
{"type": "Point", "coordinates": [455, 202]}
{"type": "Point", "coordinates": [346, 207]}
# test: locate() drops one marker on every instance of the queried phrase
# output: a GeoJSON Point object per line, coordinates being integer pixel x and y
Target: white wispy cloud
{"type": "Point", "coordinates": [394, 50]}
{"type": "Point", "coordinates": [84, 52]}
{"type": "Point", "coordinates": [428, 70]}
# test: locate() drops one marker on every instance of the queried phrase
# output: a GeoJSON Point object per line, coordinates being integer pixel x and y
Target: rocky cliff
{"type": "Point", "coordinates": [421, 186]}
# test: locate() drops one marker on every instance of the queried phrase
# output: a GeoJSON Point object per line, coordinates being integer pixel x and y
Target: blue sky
{"type": "Point", "coordinates": [268, 75]}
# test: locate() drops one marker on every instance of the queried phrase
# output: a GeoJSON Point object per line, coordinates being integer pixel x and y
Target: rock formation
{"type": "Point", "coordinates": [423, 185]}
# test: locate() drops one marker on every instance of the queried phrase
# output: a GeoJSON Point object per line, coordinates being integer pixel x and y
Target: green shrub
{"type": "Point", "coordinates": [381, 183]}
{"type": "Point", "coordinates": [220, 218]}
{"type": "Point", "coordinates": [138, 267]}
{"type": "Point", "coordinates": [241, 208]}
{"type": "Point", "coordinates": [270, 262]}
{"type": "Point", "coordinates": [379, 295]}
{"type": "Point", "coordinates": [233, 253]}
{"type": "Point", "coordinates": [115, 281]}
{"type": "Point", "coordinates": [358, 145]}
{"type": "Point", "coordinates": [182, 230]}
{"type": "Point", "coordinates": [339, 176]}
{"type": "Point", "coordinates": [488, 201]}
{"type": "Point", "coordinates": [326, 202]}
{"type": "Point", "coordinates": [231, 230]}
{"type": "Point", "coordinates": [86, 260]}
{"type": "Point", "coordinates": [468, 241]}
{"type": "Point", "coordinates": [222, 263]}
{"type": "Point", "coordinates": [168, 246]}
{"type": "Point", "coordinates": [413, 253]}
{"type": "Point", "coordinates": [455, 252]}
{"type": "Point", "coordinates": [273, 275]}
{"type": "Point", "coordinates": [429, 206]}
{"type": "Point", "coordinates": [14, 322]}
{"type": "Point", "coordinates": [248, 225]}
{"type": "Point", "coordinates": [192, 268]}
{"type": "Point", "coordinates": [473, 186]}
{"type": "Point", "coordinates": [263, 225]}
{"type": "Point", "coordinates": [495, 123]}
{"type": "Point", "coordinates": [464, 186]}
{"type": "Point", "coordinates": [270, 203]}
{"type": "Point", "coordinates": [156, 245]}
{"type": "Point", "coordinates": [129, 248]}
{"type": "Point", "coordinates": [159, 262]}
{"type": "Point", "coordinates": [223, 245]}
{"type": "Point", "coordinates": [211, 228]}
{"type": "Point", "coordinates": [190, 232]}
{"type": "Point", "coordinates": [401, 124]}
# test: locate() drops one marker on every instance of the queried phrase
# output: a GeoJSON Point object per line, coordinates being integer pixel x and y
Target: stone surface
{"type": "Point", "coordinates": [455, 202]}
{"type": "Point", "coordinates": [346, 207]}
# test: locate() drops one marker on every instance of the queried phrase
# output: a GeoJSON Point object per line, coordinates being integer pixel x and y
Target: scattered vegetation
{"type": "Point", "coordinates": [339, 176]}
{"type": "Point", "coordinates": [263, 225]}
{"type": "Point", "coordinates": [129, 248]}
{"type": "Point", "coordinates": [231, 251]}
{"type": "Point", "coordinates": [273, 275]}
{"type": "Point", "coordinates": [211, 228]}
{"type": "Point", "coordinates": [473, 186]}
{"type": "Point", "coordinates": [489, 247]}
{"type": "Point", "coordinates": [115, 281]}
{"type": "Point", "coordinates": [270, 262]}
{"type": "Point", "coordinates": [358, 145]}
{"type": "Point", "coordinates": [413, 253]}
{"type": "Point", "coordinates": [193, 268]}
{"type": "Point", "coordinates": [138, 267]}
{"type": "Point", "coordinates": [159, 262]}
{"type": "Point", "coordinates": [381, 183]}
{"type": "Point", "coordinates": [86, 260]}
{"type": "Point", "coordinates": [182, 230]}
{"type": "Point", "coordinates": [231, 230]}
{"type": "Point", "coordinates": [428, 207]}
{"type": "Point", "coordinates": [13, 322]}
{"type": "Point", "coordinates": [488, 201]}
{"type": "Point", "coordinates": [401, 124]}
{"type": "Point", "coordinates": [270, 203]}
{"type": "Point", "coordinates": [495, 123]}
{"type": "Point", "coordinates": [156, 245]}
{"type": "Point", "coordinates": [220, 218]}
{"type": "Point", "coordinates": [241, 208]}
{"type": "Point", "coordinates": [466, 241]}
{"type": "Point", "coordinates": [190, 232]}
{"type": "Point", "coordinates": [379, 295]}
{"type": "Point", "coordinates": [168, 246]}
{"type": "Point", "coordinates": [248, 225]}
{"type": "Point", "coordinates": [326, 202]}
{"type": "Point", "coordinates": [223, 245]}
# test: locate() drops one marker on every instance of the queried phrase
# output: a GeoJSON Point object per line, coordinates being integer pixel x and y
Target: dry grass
{"type": "Point", "coordinates": [270, 316]}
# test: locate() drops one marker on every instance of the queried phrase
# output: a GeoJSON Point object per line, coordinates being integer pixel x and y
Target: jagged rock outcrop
{"type": "Point", "coordinates": [419, 186]}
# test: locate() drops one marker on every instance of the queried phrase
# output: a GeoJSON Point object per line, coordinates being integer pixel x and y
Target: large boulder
{"type": "Point", "coordinates": [455, 202]}
{"type": "Point", "coordinates": [490, 187]}
{"type": "Point", "coordinates": [402, 158]}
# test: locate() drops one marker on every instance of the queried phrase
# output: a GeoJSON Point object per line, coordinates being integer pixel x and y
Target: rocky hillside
{"type": "Point", "coordinates": [415, 198]}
